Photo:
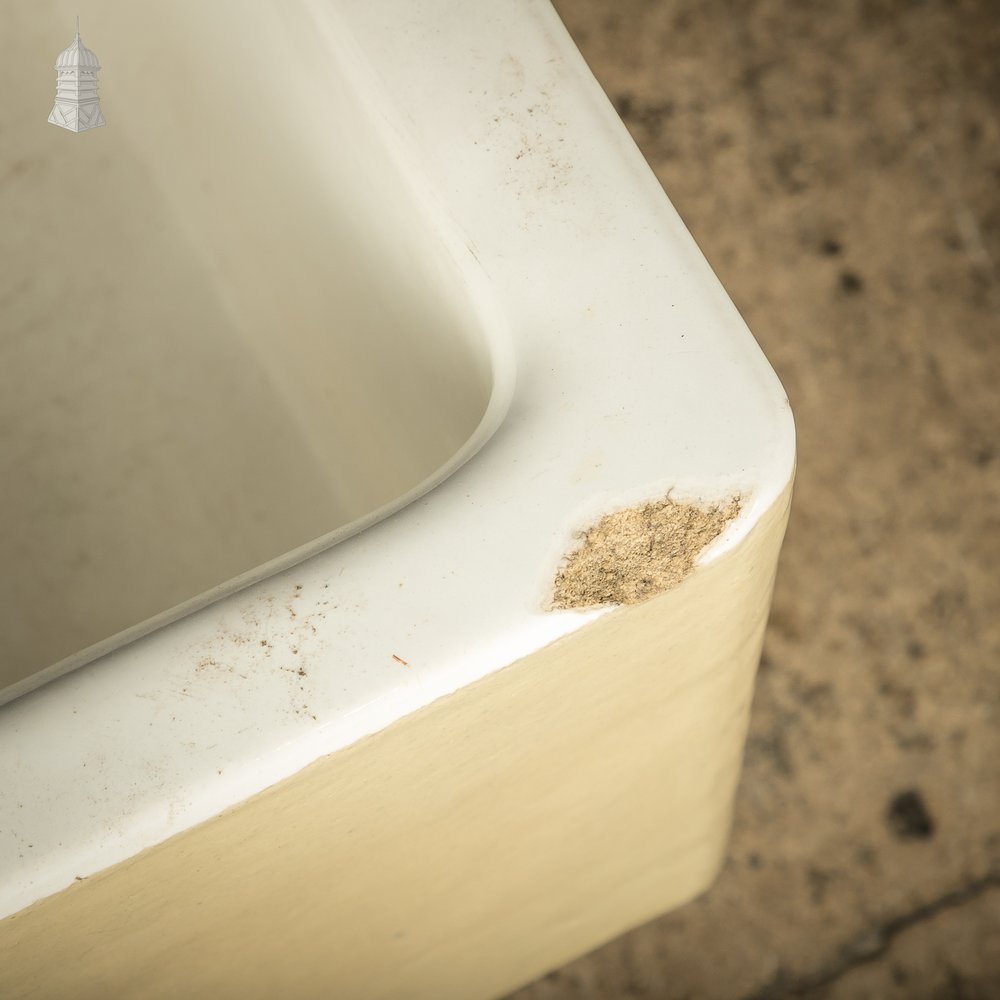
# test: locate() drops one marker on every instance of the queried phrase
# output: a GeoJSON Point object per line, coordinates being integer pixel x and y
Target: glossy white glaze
{"type": "Point", "coordinates": [635, 375]}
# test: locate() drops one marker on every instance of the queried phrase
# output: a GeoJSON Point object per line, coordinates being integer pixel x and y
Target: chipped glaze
{"type": "Point", "coordinates": [636, 376]}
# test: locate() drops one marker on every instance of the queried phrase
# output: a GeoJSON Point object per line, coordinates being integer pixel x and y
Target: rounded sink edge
{"type": "Point", "coordinates": [503, 373]}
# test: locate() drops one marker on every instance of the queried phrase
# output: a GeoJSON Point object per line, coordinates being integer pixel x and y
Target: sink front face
{"type": "Point", "coordinates": [228, 324]}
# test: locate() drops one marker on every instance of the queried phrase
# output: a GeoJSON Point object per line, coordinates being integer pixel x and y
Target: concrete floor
{"type": "Point", "coordinates": [840, 166]}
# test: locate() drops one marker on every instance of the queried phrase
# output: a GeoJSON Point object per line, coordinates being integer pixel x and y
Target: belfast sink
{"type": "Point", "coordinates": [338, 659]}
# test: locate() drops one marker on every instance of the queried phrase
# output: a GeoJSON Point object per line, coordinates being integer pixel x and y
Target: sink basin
{"type": "Point", "coordinates": [233, 331]}
{"type": "Point", "coordinates": [396, 677]}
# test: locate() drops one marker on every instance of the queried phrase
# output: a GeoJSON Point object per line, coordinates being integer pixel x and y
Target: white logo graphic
{"type": "Point", "coordinates": [77, 107]}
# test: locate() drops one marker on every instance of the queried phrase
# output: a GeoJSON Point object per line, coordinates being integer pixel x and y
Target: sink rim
{"type": "Point", "coordinates": [503, 371]}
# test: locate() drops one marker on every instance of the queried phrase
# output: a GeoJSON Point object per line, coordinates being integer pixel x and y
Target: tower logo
{"type": "Point", "coordinates": [77, 106]}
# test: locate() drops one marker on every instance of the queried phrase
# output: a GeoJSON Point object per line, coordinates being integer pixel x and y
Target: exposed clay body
{"type": "Point", "coordinates": [630, 555]}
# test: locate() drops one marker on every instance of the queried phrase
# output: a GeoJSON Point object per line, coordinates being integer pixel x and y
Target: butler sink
{"type": "Point", "coordinates": [391, 503]}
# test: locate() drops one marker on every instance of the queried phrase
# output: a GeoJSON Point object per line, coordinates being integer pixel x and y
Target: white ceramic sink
{"type": "Point", "coordinates": [232, 327]}
{"type": "Point", "coordinates": [268, 480]}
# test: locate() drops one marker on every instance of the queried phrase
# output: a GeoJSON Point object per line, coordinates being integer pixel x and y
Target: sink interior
{"type": "Point", "coordinates": [229, 325]}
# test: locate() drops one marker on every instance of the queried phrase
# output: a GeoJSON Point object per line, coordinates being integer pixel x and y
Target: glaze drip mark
{"type": "Point", "coordinates": [631, 555]}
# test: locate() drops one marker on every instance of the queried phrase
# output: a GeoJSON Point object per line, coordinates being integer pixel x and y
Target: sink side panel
{"type": "Point", "coordinates": [460, 852]}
